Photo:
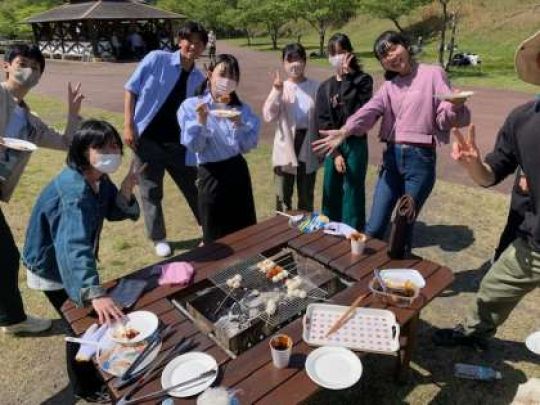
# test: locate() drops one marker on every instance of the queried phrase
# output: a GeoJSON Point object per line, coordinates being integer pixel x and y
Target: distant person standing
{"type": "Point", "coordinates": [212, 46]}
{"type": "Point", "coordinates": [154, 92]}
{"type": "Point", "coordinates": [137, 44]}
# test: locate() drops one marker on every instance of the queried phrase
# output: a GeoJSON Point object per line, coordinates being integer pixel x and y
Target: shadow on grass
{"type": "Point", "coordinates": [432, 365]}
{"type": "Point", "coordinates": [450, 238]}
{"type": "Point", "coordinates": [65, 396]}
{"type": "Point", "coordinates": [187, 244]}
{"type": "Point", "coordinates": [467, 281]}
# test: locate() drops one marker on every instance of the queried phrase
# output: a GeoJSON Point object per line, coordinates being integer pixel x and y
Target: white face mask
{"type": "Point", "coordinates": [295, 69]}
{"type": "Point", "coordinates": [26, 77]}
{"type": "Point", "coordinates": [107, 163]}
{"type": "Point", "coordinates": [336, 61]}
{"type": "Point", "coordinates": [225, 86]}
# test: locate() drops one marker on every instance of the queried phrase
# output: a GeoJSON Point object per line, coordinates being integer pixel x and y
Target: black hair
{"type": "Point", "coordinates": [231, 70]}
{"type": "Point", "coordinates": [292, 51]}
{"type": "Point", "coordinates": [91, 134]}
{"type": "Point", "coordinates": [193, 28]}
{"type": "Point", "coordinates": [30, 52]}
{"type": "Point", "coordinates": [344, 43]}
{"type": "Point", "coordinates": [384, 41]}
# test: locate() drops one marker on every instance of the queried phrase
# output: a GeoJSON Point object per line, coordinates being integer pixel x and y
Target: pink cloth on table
{"type": "Point", "coordinates": [176, 273]}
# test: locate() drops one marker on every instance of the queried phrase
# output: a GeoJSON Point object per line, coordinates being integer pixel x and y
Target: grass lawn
{"type": "Point", "coordinates": [459, 227]}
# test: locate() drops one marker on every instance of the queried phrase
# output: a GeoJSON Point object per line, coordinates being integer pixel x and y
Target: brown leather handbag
{"type": "Point", "coordinates": [404, 216]}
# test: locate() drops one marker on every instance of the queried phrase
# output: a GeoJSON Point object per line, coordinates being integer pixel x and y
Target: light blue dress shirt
{"type": "Point", "coordinates": [153, 80]}
{"type": "Point", "coordinates": [219, 139]}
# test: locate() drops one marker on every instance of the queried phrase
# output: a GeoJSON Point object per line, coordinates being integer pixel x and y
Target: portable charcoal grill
{"type": "Point", "coordinates": [214, 308]}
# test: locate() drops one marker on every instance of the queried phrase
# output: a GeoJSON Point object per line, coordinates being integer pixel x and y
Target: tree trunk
{"type": "Point", "coordinates": [248, 36]}
{"type": "Point", "coordinates": [444, 4]}
{"type": "Point", "coordinates": [453, 24]}
{"type": "Point", "coordinates": [274, 36]}
{"type": "Point", "coordinates": [322, 33]}
{"type": "Point", "coordinates": [396, 23]}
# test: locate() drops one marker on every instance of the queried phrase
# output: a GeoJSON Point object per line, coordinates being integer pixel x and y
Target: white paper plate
{"type": "Point", "coordinates": [143, 321]}
{"type": "Point", "coordinates": [335, 368]}
{"type": "Point", "coordinates": [18, 144]}
{"type": "Point", "coordinates": [187, 366]}
{"type": "Point", "coordinates": [403, 275]}
{"type": "Point", "coordinates": [225, 112]}
{"type": "Point", "coordinates": [454, 96]}
{"type": "Point", "coordinates": [115, 358]}
{"type": "Point", "coordinates": [533, 342]}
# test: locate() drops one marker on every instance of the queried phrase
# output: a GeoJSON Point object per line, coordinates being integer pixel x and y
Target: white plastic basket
{"type": "Point", "coordinates": [368, 330]}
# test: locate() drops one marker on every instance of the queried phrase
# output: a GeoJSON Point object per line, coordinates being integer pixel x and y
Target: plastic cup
{"type": "Point", "coordinates": [281, 348]}
{"type": "Point", "coordinates": [358, 243]}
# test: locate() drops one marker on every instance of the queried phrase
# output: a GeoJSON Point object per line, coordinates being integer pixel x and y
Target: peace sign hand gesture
{"type": "Point", "coordinates": [75, 98]}
{"type": "Point", "coordinates": [464, 150]}
{"type": "Point", "coordinates": [278, 82]}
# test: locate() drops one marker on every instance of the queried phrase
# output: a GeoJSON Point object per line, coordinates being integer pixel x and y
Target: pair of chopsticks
{"type": "Point", "coordinates": [182, 346]}
{"type": "Point", "coordinates": [152, 344]}
{"type": "Point", "coordinates": [345, 317]}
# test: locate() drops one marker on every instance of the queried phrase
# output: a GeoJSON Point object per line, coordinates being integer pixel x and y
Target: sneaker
{"type": "Point", "coordinates": [457, 337]}
{"type": "Point", "coordinates": [30, 325]}
{"type": "Point", "coordinates": [162, 248]}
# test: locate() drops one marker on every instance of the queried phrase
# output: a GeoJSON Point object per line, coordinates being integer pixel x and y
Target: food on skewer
{"type": "Point", "coordinates": [271, 307]}
{"type": "Point", "coordinates": [234, 282]}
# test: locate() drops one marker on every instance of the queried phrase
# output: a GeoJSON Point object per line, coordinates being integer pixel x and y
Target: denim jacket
{"type": "Point", "coordinates": [64, 230]}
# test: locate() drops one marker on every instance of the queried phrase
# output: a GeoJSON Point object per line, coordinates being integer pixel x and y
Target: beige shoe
{"type": "Point", "coordinates": [30, 325]}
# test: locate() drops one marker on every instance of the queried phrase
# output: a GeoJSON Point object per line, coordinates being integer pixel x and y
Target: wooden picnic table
{"type": "Point", "coordinates": [252, 371]}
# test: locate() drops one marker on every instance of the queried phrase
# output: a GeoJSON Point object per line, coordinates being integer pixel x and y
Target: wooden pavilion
{"type": "Point", "coordinates": [101, 28]}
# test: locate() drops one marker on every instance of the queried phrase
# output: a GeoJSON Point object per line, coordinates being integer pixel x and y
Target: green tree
{"type": "Point", "coordinates": [244, 16]}
{"type": "Point", "coordinates": [207, 12]}
{"type": "Point", "coordinates": [323, 14]}
{"type": "Point", "coordinates": [273, 14]}
{"type": "Point", "coordinates": [391, 9]}
{"type": "Point", "coordinates": [14, 12]}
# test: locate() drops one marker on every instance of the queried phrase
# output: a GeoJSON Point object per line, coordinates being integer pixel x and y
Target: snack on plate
{"type": "Point", "coordinates": [406, 286]}
{"type": "Point", "coordinates": [126, 333]}
{"type": "Point", "coordinates": [224, 98]}
{"type": "Point", "coordinates": [225, 113]}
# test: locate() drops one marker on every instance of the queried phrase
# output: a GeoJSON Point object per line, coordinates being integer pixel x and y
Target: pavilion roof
{"type": "Point", "coordinates": [104, 10]}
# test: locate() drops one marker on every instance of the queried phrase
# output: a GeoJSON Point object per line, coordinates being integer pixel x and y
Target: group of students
{"type": "Point", "coordinates": [170, 125]}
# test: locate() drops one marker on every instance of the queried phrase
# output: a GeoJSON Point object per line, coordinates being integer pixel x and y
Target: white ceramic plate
{"type": "Point", "coordinates": [18, 144]}
{"type": "Point", "coordinates": [335, 368]}
{"type": "Point", "coordinates": [454, 96]}
{"type": "Point", "coordinates": [225, 113]}
{"type": "Point", "coordinates": [533, 342]}
{"type": "Point", "coordinates": [116, 358]}
{"type": "Point", "coordinates": [187, 366]}
{"type": "Point", "coordinates": [145, 322]}
{"type": "Point", "coordinates": [402, 275]}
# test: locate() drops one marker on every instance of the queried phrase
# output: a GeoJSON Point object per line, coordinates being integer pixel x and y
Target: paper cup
{"type": "Point", "coordinates": [358, 243]}
{"type": "Point", "coordinates": [281, 348]}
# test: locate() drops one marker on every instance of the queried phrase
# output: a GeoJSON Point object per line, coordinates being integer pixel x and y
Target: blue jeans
{"type": "Point", "coordinates": [405, 169]}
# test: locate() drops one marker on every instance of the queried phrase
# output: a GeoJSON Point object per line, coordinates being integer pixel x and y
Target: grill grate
{"type": "Point", "coordinates": [252, 279]}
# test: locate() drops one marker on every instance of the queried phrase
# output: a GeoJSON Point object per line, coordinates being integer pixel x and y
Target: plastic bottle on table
{"type": "Point", "coordinates": [474, 372]}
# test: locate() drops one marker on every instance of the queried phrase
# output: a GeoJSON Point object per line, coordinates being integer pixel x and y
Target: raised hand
{"type": "Point", "coordinates": [131, 180]}
{"type": "Point", "coordinates": [332, 138]}
{"type": "Point", "coordinates": [75, 98]}
{"type": "Point", "coordinates": [202, 113]}
{"type": "Point", "coordinates": [278, 82]}
{"type": "Point", "coordinates": [464, 149]}
{"type": "Point", "coordinates": [346, 63]}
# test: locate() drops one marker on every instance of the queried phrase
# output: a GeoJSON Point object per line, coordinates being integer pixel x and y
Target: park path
{"type": "Point", "coordinates": [103, 86]}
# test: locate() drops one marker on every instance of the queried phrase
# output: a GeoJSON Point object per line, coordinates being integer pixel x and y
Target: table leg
{"type": "Point", "coordinates": [409, 331]}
